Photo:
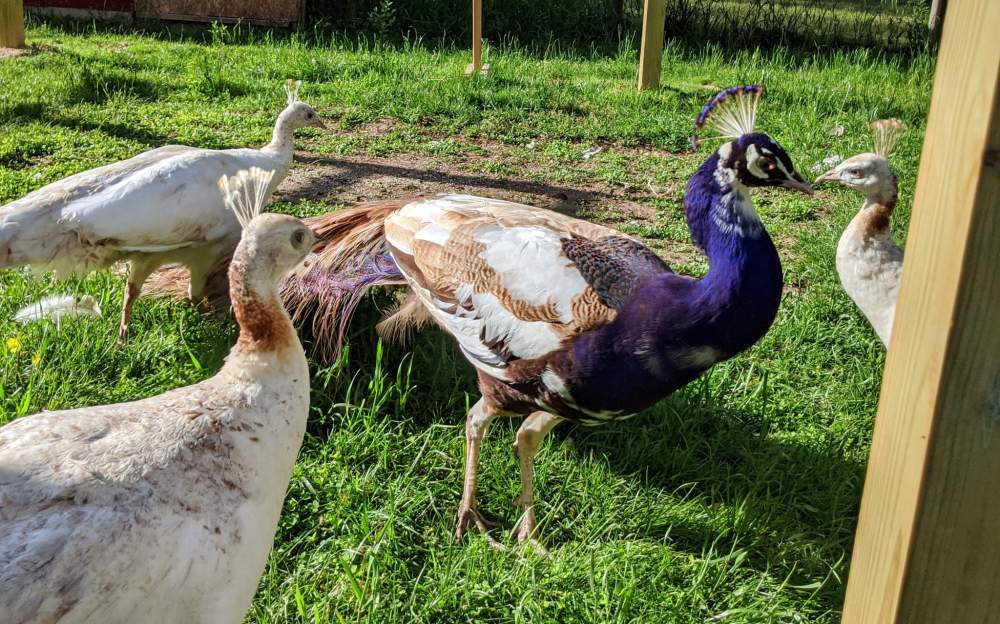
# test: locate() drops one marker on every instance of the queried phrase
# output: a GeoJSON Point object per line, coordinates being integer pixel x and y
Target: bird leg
{"type": "Point", "coordinates": [529, 437]}
{"type": "Point", "coordinates": [138, 271]}
{"type": "Point", "coordinates": [476, 426]}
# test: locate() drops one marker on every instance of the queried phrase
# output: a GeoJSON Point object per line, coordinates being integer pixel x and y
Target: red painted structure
{"type": "Point", "coordinates": [125, 6]}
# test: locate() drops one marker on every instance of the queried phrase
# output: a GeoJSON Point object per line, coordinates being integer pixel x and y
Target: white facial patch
{"type": "Point", "coordinates": [723, 174]}
{"type": "Point", "coordinates": [752, 156]}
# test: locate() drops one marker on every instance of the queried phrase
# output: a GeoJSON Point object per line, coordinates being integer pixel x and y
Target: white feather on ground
{"type": "Point", "coordinates": [58, 307]}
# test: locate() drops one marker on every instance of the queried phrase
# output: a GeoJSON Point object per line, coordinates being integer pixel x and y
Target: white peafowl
{"type": "Point", "coordinates": [869, 261]}
{"type": "Point", "coordinates": [165, 509]}
{"type": "Point", "coordinates": [159, 207]}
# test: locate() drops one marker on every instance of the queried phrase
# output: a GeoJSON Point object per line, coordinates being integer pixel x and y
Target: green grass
{"type": "Point", "coordinates": [734, 500]}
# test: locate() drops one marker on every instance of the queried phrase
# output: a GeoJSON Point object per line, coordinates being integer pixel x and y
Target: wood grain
{"type": "Point", "coordinates": [927, 548]}
{"type": "Point", "coordinates": [254, 11]}
{"type": "Point", "coordinates": [11, 24]}
{"type": "Point", "coordinates": [477, 35]}
{"type": "Point", "coordinates": [651, 54]}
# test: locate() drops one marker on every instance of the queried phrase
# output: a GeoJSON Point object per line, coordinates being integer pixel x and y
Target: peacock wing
{"type": "Point", "coordinates": [510, 281]}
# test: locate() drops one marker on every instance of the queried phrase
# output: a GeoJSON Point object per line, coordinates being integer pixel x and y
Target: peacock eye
{"type": "Point", "coordinates": [767, 164]}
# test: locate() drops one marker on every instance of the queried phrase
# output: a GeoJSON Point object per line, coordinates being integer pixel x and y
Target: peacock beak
{"type": "Point", "coordinates": [318, 123]}
{"type": "Point", "coordinates": [797, 183]}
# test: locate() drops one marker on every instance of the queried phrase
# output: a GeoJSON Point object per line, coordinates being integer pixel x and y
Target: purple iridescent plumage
{"type": "Point", "coordinates": [674, 327]}
{"type": "Point", "coordinates": [347, 288]}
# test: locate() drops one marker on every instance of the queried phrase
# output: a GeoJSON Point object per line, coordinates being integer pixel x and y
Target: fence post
{"type": "Point", "coordinates": [477, 41]}
{"type": "Point", "coordinates": [926, 550]}
{"type": "Point", "coordinates": [651, 53]}
{"type": "Point", "coordinates": [11, 24]}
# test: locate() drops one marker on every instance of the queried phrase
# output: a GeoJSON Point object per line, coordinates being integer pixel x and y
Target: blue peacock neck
{"type": "Point", "coordinates": [738, 298]}
{"type": "Point", "coordinates": [672, 328]}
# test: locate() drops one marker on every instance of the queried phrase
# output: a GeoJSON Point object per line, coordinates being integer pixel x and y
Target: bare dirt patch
{"type": "Point", "coordinates": [356, 179]}
{"type": "Point", "coordinates": [9, 53]}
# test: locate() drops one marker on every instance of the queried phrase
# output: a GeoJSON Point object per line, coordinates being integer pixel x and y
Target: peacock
{"type": "Point", "coordinates": [165, 509]}
{"type": "Point", "coordinates": [158, 207]}
{"type": "Point", "coordinates": [869, 262]}
{"type": "Point", "coordinates": [563, 319]}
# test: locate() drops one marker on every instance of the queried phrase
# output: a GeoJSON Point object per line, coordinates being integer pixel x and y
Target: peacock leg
{"type": "Point", "coordinates": [476, 426]}
{"type": "Point", "coordinates": [138, 270]}
{"type": "Point", "coordinates": [529, 437]}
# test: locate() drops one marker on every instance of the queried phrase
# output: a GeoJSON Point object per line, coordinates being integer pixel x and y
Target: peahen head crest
{"type": "Point", "coordinates": [292, 90]}
{"type": "Point", "coordinates": [887, 134]}
{"type": "Point", "coordinates": [246, 193]}
{"type": "Point", "coordinates": [730, 114]}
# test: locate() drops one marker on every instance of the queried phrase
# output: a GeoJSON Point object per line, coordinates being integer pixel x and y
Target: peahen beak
{"type": "Point", "coordinates": [830, 176]}
{"type": "Point", "coordinates": [797, 183]}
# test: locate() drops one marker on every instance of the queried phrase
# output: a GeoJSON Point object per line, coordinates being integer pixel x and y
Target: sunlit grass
{"type": "Point", "coordinates": [733, 501]}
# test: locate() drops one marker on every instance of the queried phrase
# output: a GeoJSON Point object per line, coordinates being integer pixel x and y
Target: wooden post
{"type": "Point", "coordinates": [936, 19]}
{"type": "Point", "coordinates": [651, 53]}
{"type": "Point", "coordinates": [11, 24]}
{"type": "Point", "coordinates": [477, 41]}
{"type": "Point", "coordinates": [927, 549]}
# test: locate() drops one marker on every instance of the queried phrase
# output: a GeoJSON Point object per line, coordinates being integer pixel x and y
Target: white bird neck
{"type": "Point", "coordinates": [873, 218]}
{"type": "Point", "coordinates": [264, 324]}
{"type": "Point", "coordinates": [283, 136]}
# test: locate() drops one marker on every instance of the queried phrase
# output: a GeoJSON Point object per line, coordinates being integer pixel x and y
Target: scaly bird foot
{"type": "Point", "coordinates": [526, 527]}
{"type": "Point", "coordinates": [468, 514]}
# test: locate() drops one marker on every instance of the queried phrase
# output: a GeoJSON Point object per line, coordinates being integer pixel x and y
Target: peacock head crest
{"type": "Point", "coordinates": [749, 157]}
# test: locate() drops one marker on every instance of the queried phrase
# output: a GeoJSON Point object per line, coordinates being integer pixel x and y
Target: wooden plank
{"type": "Point", "coordinates": [654, 16]}
{"type": "Point", "coordinates": [11, 24]}
{"type": "Point", "coordinates": [927, 548]}
{"type": "Point", "coordinates": [477, 40]}
{"type": "Point", "coordinates": [280, 12]}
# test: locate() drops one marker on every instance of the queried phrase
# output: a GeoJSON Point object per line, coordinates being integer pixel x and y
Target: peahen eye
{"type": "Point", "coordinates": [855, 173]}
{"type": "Point", "coordinates": [298, 237]}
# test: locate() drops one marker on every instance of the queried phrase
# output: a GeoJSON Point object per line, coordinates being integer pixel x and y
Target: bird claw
{"type": "Point", "coordinates": [525, 528]}
{"type": "Point", "coordinates": [471, 515]}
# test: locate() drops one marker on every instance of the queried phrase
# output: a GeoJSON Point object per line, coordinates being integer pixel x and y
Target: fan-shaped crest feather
{"type": "Point", "coordinates": [246, 193]}
{"type": "Point", "coordinates": [887, 133]}
{"type": "Point", "coordinates": [292, 90]}
{"type": "Point", "coordinates": [731, 114]}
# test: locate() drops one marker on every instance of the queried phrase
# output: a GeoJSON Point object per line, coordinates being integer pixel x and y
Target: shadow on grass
{"type": "Point", "coordinates": [729, 479]}
{"type": "Point", "coordinates": [565, 199]}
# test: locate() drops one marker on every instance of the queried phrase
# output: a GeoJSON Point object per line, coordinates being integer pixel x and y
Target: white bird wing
{"type": "Point", "coordinates": [157, 201]}
{"type": "Point", "coordinates": [84, 500]}
{"type": "Point", "coordinates": [499, 277]}
{"type": "Point", "coordinates": [171, 203]}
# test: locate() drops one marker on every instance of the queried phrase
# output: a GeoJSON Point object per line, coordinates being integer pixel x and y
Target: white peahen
{"type": "Point", "coordinates": [164, 510]}
{"type": "Point", "coordinates": [869, 262]}
{"type": "Point", "coordinates": [159, 207]}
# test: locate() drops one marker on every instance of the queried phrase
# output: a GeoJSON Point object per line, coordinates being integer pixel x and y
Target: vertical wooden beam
{"type": "Point", "coordinates": [11, 24]}
{"type": "Point", "coordinates": [477, 40]}
{"type": "Point", "coordinates": [651, 53]}
{"type": "Point", "coordinates": [927, 549]}
{"type": "Point", "coordinates": [936, 19]}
